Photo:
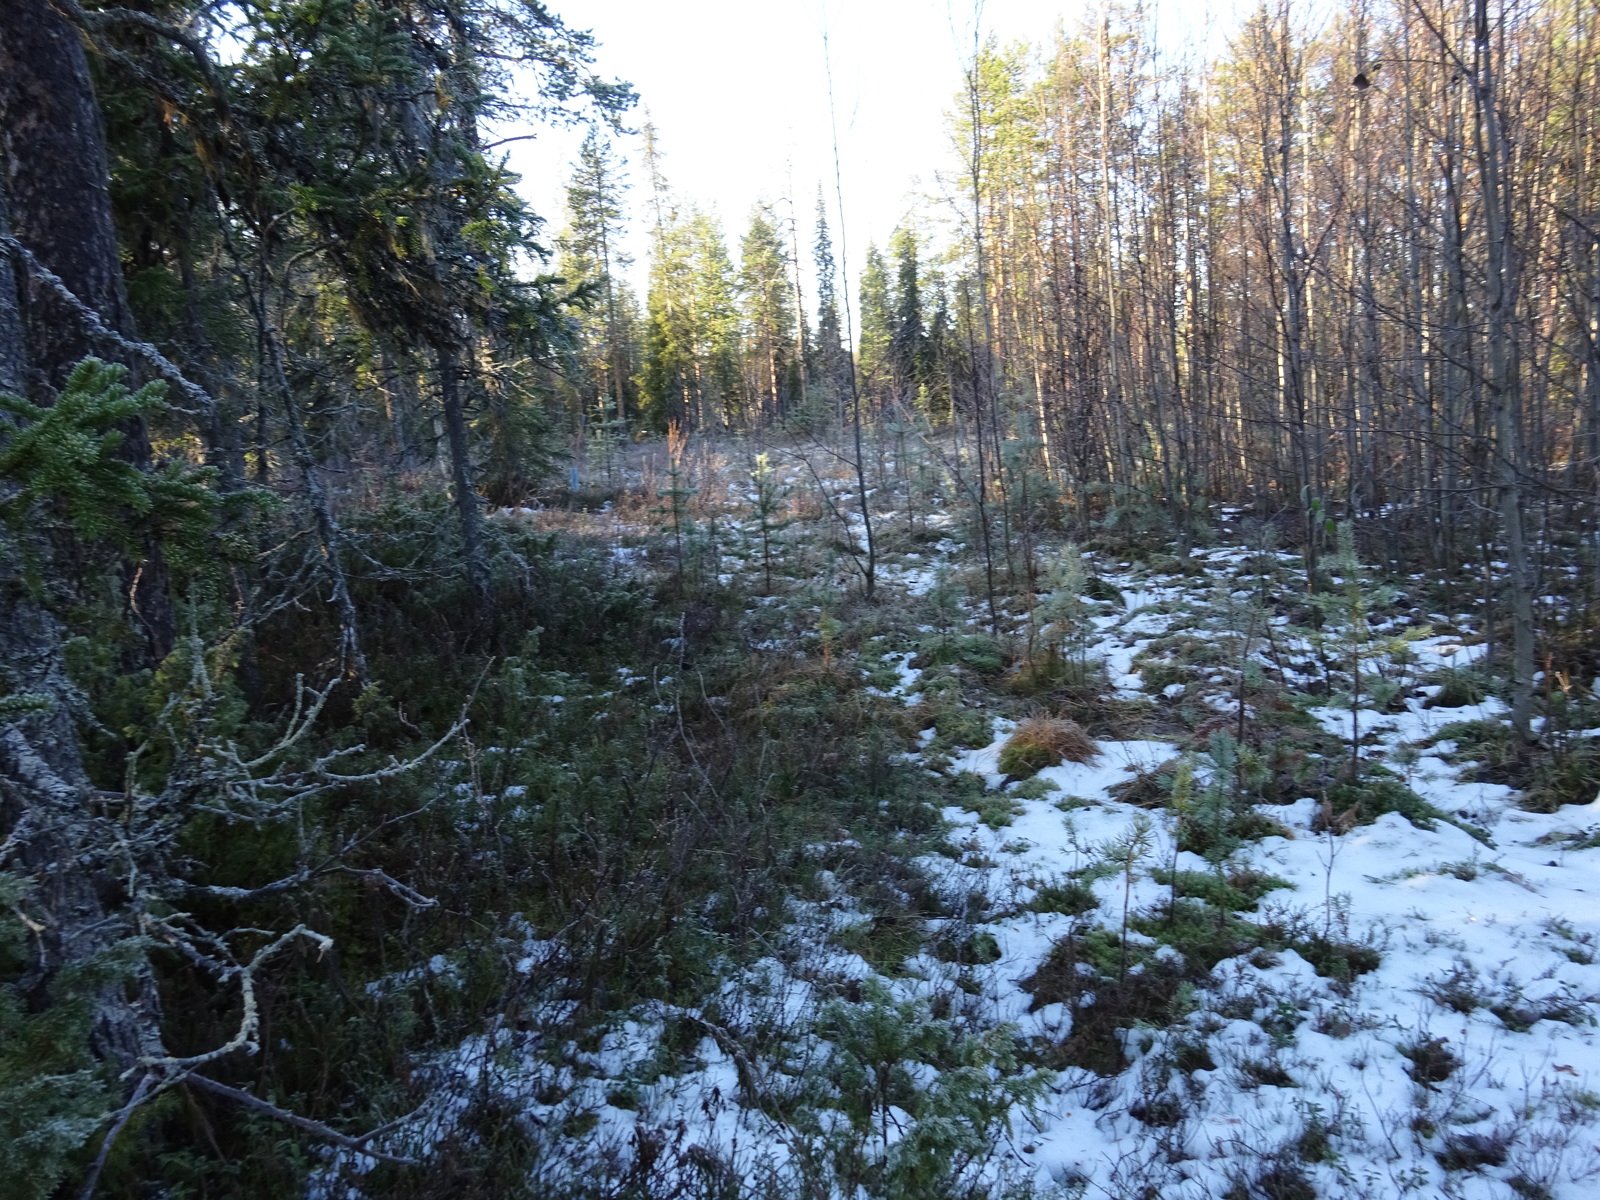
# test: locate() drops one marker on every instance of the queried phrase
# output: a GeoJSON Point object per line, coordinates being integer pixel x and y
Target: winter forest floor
{"type": "Point", "coordinates": [1155, 901]}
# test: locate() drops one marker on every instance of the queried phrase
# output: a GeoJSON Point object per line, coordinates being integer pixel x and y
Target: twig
{"type": "Point", "coordinates": [140, 1095]}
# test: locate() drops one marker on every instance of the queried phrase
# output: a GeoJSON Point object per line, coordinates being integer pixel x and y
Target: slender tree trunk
{"type": "Point", "coordinates": [1504, 372]}
{"type": "Point", "coordinates": [467, 504]}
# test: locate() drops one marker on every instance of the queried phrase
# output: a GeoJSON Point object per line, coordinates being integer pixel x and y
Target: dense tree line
{"type": "Point", "coordinates": [1349, 271]}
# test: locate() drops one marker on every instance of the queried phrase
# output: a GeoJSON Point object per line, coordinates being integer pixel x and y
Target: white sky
{"type": "Point", "coordinates": [738, 91]}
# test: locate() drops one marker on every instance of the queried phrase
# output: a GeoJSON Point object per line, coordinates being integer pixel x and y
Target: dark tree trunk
{"type": "Point", "coordinates": [467, 503]}
{"type": "Point", "coordinates": [54, 152]}
{"type": "Point", "coordinates": [54, 172]}
{"type": "Point", "coordinates": [54, 199]}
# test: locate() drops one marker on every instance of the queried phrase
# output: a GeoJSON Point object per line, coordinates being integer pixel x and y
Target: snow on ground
{"type": "Point", "coordinates": [1463, 1063]}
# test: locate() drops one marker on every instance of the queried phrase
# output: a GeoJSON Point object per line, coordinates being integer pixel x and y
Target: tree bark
{"type": "Point", "coordinates": [54, 160]}
{"type": "Point", "coordinates": [54, 171]}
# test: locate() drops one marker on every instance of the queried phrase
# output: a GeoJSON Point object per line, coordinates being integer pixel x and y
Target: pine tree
{"type": "Point", "coordinates": [592, 257]}
{"type": "Point", "coordinates": [771, 375]}
{"type": "Point", "coordinates": [766, 513]}
{"type": "Point", "coordinates": [690, 372]}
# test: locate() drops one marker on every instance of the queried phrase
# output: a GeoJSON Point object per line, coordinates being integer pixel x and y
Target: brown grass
{"type": "Point", "coordinates": [1148, 789]}
{"type": "Point", "coordinates": [1046, 742]}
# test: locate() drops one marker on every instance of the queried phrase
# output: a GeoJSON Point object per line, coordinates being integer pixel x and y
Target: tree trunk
{"type": "Point", "coordinates": [53, 159]}
{"type": "Point", "coordinates": [1505, 383]}
{"type": "Point", "coordinates": [45, 798]}
{"type": "Point", "coordinates": [455, 427]}
{"type": "Point", "coordinates": [53, 150]}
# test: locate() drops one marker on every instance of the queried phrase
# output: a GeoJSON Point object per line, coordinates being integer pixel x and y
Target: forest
{"type": "Point", "coordinates": [1101, 701]}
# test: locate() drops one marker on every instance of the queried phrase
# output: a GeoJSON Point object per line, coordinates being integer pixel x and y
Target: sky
{"type": "Point", "coordinates": [738, 91]}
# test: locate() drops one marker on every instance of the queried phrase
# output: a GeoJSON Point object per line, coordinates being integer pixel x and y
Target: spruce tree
{"type": "Point", "coordinates": [830, 352]}
{"type": "Point", "coordinates": [877, 324]}
{"type": "Point", "coordinates": [906, 358]}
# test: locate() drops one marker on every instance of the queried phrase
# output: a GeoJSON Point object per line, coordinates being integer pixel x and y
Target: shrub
{"type": "Point", "coordinates": [1570, 777]}
{"type": "Point", "coordinates": [1074, 898]}
{"type": "Point", "coordinates": [1035, 789]}
{"type": "Point", "coordinates": [1458, 688]}
{"type": "Point", "coordinates": [1236, 892]}
{"type": "Point", "coordinates": [1099, 589]}
{"type": "Point", "coordinates": [1336, 959]}
{"type": "Point", "coordinates": [1363, 802]}
{"type": "Point", "coordinates": [1045, 742]}
{"type": "Point", "coordinates": [975, 949]}
{"type": "Point", "coordinates": [975, 651]}
{"type": "Point", "coordinates": [1431, 1061]}
{"type": "Point", "coordinates": [962, 727]}
{"type": "Point", "coordinates": [1473, 1151]}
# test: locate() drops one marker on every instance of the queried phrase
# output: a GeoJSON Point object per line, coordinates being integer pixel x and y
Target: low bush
{"type": "Point", "coordinates": [1074, 898]}
{"type": "Point", "coordinates": [1570, 776]}
{"type": "Point", "coordinates": [1430, 1060]}
{"type": "Point", "coordinates": [975, 651]}
{"type": "Point", "coordinates": [1458, 688]}
{"type": "Point", "coordinates": [1364, 801]}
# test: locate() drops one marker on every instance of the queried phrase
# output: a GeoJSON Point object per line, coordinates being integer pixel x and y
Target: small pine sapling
{"type": "Point", "coordinates": [1061, 618]}
{"type": "Point", "coordinates": [767, 509]}
{"type": "Point", "coordinates": [1125, 853]}
{"type": "Point", "coordinates": [675, 498]}
{"type": "Point", "coordinates": [1181, 803]}
{"type": "Point", "coordinates": [1348, 631]}
{"type": "Point", "coordinates": [1029, 485]}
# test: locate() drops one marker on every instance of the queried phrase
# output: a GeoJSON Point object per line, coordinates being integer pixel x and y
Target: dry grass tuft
{"type": "Point", "coordinates": [1046, 742]}
{"type": "Point", "coordinates": [1148, 789]}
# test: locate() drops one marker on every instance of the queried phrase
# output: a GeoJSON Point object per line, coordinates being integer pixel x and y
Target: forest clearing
{"type": "Point", "coordinates": [1097, 697]}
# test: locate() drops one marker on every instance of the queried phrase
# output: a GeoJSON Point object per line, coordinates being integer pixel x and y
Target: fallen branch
{"type": "Point", "coordinates": [326, 1132]}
